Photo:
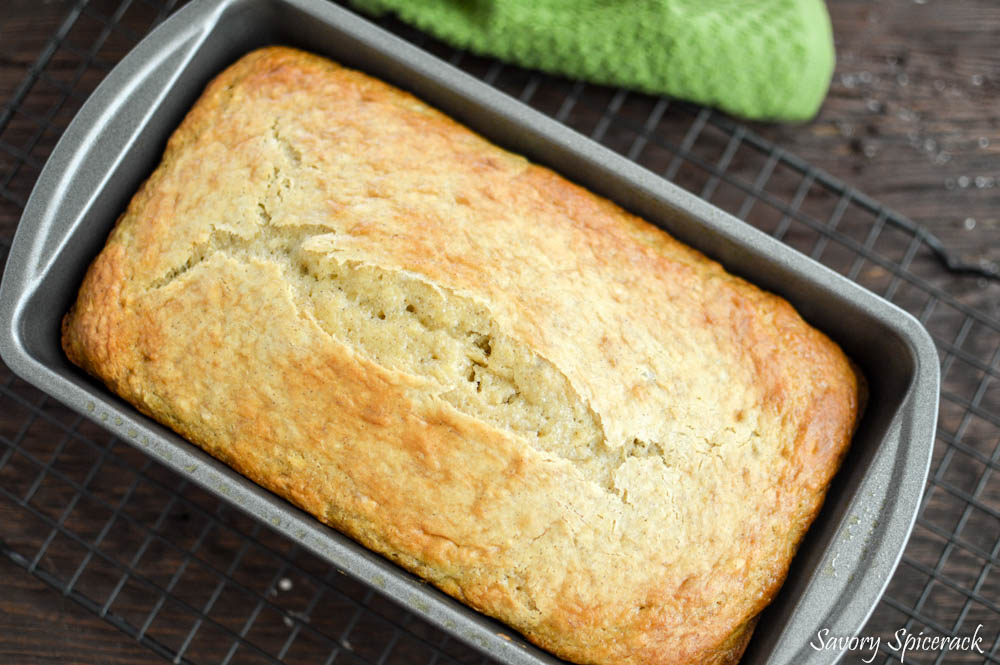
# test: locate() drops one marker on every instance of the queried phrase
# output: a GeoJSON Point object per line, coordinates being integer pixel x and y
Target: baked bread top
{"type": "Point", "coordinates": [537, 401]}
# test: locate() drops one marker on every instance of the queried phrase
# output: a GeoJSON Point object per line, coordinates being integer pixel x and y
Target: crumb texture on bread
{"type": "Point", "coordinates": [538, 402]}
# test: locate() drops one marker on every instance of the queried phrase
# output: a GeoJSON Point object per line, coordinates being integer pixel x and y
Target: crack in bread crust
{"type": "Point", "coordinates": [450, 341]}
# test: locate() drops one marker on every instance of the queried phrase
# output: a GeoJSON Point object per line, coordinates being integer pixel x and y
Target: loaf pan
{"type": "Point", "coordinates": [117, 138]}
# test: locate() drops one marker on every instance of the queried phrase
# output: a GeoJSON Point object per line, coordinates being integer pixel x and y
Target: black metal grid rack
{"type": "Point", "coordinates": [197, 582]}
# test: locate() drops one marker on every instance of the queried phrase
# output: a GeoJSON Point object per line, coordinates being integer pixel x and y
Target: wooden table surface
{"type": "Point", "coordinates": [912, 119]}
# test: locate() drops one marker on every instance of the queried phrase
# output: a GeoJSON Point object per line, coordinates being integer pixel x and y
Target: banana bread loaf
{"type": "Point", "coordinates": [540, 403]}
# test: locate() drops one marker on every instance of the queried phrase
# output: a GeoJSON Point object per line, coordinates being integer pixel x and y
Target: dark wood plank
{"type": "Point", "coordinates": [41, 627]}
{"type": "Point", "coordinates": [913, 115]}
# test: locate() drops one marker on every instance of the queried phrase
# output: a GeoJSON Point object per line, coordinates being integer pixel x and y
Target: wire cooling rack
{"type": "Point", "coordinates": [197, 582]}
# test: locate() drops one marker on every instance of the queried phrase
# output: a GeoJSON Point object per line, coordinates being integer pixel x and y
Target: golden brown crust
{"type": "Point", "coordinates": [716, 417]}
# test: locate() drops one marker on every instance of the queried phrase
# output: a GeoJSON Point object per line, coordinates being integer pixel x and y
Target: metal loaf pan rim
{"type": "Point", "coordinates": [118, 135]}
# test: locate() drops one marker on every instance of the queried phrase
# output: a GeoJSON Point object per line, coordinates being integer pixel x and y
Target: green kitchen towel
{"type": "Point", "coordinates": [766, 60]}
